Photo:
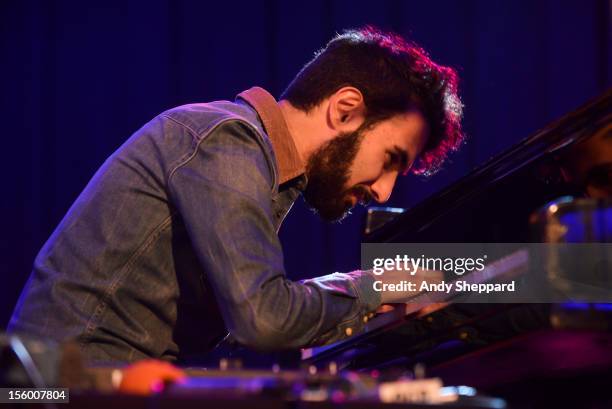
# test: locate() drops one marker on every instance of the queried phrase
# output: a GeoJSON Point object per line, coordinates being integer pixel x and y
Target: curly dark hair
{"type": "Point", "coordinates": [394, 76]}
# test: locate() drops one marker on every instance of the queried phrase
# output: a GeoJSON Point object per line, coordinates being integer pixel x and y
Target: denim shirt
{"type": "Point", "coordinates": [174, 242]}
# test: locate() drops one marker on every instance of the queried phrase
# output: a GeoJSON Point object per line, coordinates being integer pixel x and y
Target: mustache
{"type": "Point", "coordinates": [363, 194]}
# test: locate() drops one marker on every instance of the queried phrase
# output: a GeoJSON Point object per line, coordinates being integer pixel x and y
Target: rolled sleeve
{"type": "Point", "coordinates": [357, 285]}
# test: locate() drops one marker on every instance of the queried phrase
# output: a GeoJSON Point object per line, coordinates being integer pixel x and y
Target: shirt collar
{"type": "Point", "coordinates": [290, 164]}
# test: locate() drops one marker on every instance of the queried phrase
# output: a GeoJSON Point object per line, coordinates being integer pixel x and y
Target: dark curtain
{"type": "Point", "coordinates": [78, 77]}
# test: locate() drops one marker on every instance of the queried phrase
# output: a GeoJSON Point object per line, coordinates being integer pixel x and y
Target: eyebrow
{"type": "Point", "coordinates": [403, 159]}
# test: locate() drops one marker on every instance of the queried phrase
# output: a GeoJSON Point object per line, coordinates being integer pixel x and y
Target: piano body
{"type": "Point", "coordinates": [533, 355]}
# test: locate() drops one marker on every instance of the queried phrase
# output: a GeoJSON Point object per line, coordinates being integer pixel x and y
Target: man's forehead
{"type": "Point", "coordinates": [410, 131]}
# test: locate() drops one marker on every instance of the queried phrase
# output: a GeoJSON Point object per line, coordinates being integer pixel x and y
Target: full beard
{"type": "Point", "coordinates": [328, 172]}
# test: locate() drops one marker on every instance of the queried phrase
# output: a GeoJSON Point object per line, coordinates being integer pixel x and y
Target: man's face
{"type": "Point", "coordinates": [358, 166]}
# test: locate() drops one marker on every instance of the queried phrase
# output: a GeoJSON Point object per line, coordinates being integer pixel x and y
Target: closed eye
{"type": "Point", "coordinates": [397, 159]}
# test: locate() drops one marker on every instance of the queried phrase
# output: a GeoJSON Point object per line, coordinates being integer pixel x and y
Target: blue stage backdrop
{"type": "Point", "coordinates": [79, 77]}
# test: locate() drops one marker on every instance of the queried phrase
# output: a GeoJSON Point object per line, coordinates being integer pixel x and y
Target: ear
{"type": "Point", "coordinates": [346, 110]}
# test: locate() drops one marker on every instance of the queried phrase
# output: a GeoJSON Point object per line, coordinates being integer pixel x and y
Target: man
{"type": "Point", "coordinates": [174, 241]}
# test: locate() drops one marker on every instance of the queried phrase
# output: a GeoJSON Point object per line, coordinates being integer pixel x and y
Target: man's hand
{"type": "Point", "coordinates": [399, 286]}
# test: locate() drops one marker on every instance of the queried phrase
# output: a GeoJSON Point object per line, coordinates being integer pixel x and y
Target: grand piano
{"type": "Point", "coordinates": [533, 355]}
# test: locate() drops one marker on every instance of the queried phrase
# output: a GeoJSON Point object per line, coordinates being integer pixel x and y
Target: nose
{"type": "Point", "coordinates": [382, 188]}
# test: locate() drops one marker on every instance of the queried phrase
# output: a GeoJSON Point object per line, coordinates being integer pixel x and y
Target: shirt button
{"type": "Point", "coordinates": [348, 331]}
